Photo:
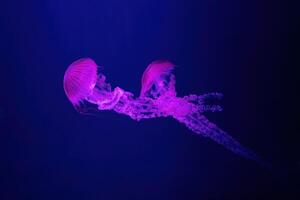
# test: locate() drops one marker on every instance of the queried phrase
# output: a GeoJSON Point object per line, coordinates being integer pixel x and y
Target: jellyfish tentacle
{"type": "Point", "coordinates": [211, 108]}
{"type": "Point", "coordinates": [199, 124]}
{"type": "Point", "coordinates": [204, 97]}
{"type": "Point", "coordinates": [212, 95]}
{"type": "Point", "coordinates": [201, 102]}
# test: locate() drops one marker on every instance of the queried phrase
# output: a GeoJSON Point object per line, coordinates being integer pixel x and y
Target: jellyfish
{"type": "Point", "coordinates": [85, 85]}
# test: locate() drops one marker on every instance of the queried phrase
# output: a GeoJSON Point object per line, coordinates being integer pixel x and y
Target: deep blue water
{"type": "Point", "coordinates": [246, 50]}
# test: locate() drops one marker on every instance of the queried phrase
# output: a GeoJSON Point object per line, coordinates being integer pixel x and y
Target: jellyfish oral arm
{"type": "Point", "coordinates": [137, 108]}
{"type": "Point", "coordinates": [199, 124]}
{"type": "Point", "coordinates": [109, 103]}
{"type": "Point", "coordinates": [123, 102]}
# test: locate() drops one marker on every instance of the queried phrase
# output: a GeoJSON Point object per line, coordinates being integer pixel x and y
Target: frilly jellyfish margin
{"type": "Point", "coordinates": [85, 85]}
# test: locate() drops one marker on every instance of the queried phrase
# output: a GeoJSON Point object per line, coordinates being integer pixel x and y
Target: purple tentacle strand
{"type": "Point", "coordinates": [84, 85]}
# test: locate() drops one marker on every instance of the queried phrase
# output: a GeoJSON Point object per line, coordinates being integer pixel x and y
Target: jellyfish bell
{"type": "Point", "coordinates": [87, 89]}
{"type": "Point", "coordinates": [157, 79]}
{"type": "Point", "coordinates": [80, 79]}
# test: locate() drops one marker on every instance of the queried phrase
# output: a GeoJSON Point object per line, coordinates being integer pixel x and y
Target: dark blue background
{"type": "Point", "coordinates": [246, 50]}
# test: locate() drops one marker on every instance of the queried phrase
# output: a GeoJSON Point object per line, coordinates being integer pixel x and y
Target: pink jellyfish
{"type": "Point", "coordinates": [84, 85]}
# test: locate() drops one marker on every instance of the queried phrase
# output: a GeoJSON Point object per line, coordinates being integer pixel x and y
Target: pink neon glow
{"type": "Point", "coordinates": [79, 79]}
{"type": "Point", "coordinates": [84, 86]}
{"type": "Point", "coordinates": [153, 72]}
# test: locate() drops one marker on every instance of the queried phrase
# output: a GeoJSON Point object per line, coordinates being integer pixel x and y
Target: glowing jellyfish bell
{"type": "Point", "coordinates": [83, 85]}
{"type": "Point", "coordinates": [79, 80]}
{"type": "Point", "coordinates": [157, 79]}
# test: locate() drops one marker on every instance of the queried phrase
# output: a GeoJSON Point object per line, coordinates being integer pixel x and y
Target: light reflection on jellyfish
{"type": "Point", "coordinates": [85, 85]}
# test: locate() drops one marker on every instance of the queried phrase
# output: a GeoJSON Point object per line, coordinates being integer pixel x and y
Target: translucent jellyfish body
{"type": "Point", "coordinates": [84, 84]}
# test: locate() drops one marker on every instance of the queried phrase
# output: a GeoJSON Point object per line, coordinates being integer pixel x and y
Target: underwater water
{"type": "Point", "coordinates": [245, 51]}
